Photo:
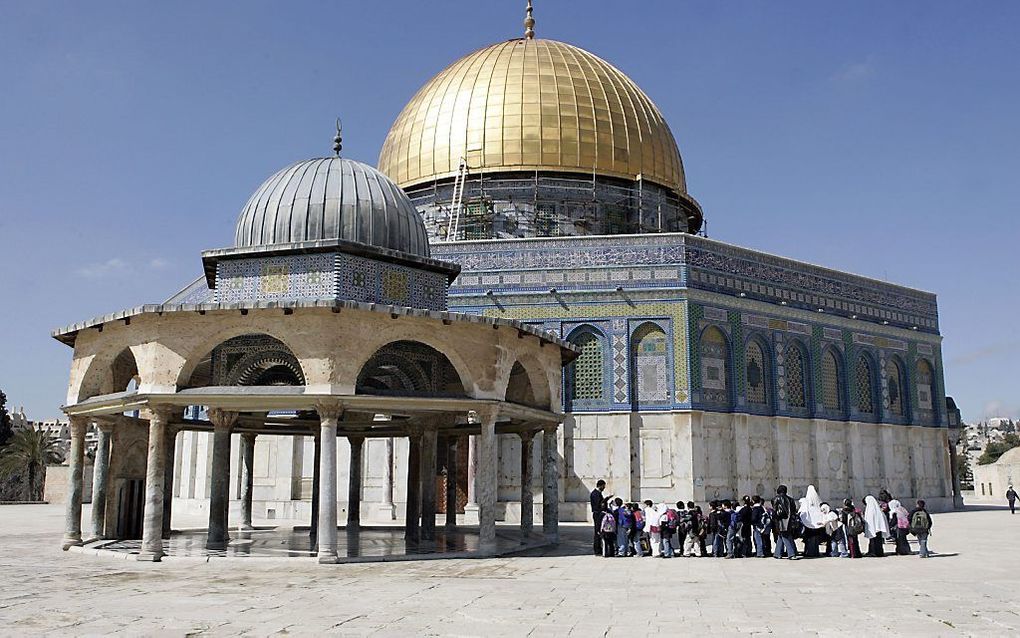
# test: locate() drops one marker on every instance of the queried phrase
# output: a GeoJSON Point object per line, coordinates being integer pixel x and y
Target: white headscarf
{"type": "Point", "coordinates": [901, 512]}
{"type": "Point", "coordinates": [874, 519]}
{"type": "Point", "coordinates": [832, 522]}
{"type": "Point", "coordinates": [810, 509]}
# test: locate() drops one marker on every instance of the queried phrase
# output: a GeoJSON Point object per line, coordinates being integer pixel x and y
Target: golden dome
{"type": "Point", "coordinates": [531, 105]}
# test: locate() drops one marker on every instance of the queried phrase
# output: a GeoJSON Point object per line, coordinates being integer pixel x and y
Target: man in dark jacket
{"type": "Point", "coordinates": [1011, 499]}
{"type": "Point", "coordinates": [598, 509]}
{"type": "Point", "coordinates": [783, 510]}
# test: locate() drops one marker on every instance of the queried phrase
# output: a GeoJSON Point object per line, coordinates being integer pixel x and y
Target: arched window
{"type": "Point", "coordinates": [832, 386]}
{"type": "Point", "coordinates": [894, 381]}
{"type": "Point", "coordinates": [757, 369]}
{"type": "Point", "coordinates": [865, 386]}
{"type": "Point", "coordinates": [796, 397]}
{"type": "Point", "coordinates": [586, 373]}
{"type": "Point", "coordinates": [714, 367]}
{"type": "Point", "coordinates": [926, 392]}
{"type": "Point", "coordinates": [650, 366]}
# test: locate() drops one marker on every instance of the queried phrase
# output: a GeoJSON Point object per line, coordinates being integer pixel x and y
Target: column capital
{"type": "Point", "coordinates": [222, 418]}
{"type": "Point", "coordinates": [79, 424]}
{"type": "Point", "coordinates": [164, 411]}
{"type": "Point", "coordinates": [249, 436]}
{"type": "Point", "coordinates": [487, 413]}
{"type": "Point", "coordinates": [527, 435]}
{"type": "Point", "coordinates": [550, 427]}
{"type": "Point", "coordinates": [330, 409]}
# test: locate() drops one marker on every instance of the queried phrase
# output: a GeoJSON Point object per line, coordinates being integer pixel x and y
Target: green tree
{"type": "Point", "coordinates": [963, 470]}
{"type": "Point", "coordinates": [27, 455]}
{"type": "Point", "coordinates": [998, 448]}
{"type": "Point", "coordinates": [6, 429]}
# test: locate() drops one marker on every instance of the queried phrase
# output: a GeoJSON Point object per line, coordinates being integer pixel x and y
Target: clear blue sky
{"type": "Point", "coordinates": [876, 137]}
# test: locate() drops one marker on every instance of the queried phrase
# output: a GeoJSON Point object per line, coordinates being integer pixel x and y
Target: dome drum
{"type": "Point", "coordinates": [540, 204]}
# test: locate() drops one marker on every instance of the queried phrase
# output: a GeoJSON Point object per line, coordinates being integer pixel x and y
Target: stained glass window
{"type": "Point", "coordinates": [650, 365]}
{"type": "Point", "coordinates": [756, 374]}
{"type": "Point", "coordinates": [894, 380]}
{"type": "Point", "coordinates": [795, 395]}
{"type": "Point", "coordinates": [865, 398]}
{"type": "Point", "coordinates": [714, 357]}
{"type": "Point", "coordinates": [831, 391]}
{"type": "Point", "coordinates": [587, 369]}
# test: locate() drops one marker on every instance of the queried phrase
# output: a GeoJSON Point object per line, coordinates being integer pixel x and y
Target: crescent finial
{"type": "Point", "coordinates": [338, 139]}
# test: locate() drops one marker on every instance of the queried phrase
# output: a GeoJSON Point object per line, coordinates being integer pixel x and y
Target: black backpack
{"type": "Point", "coordinates": [782, 507]}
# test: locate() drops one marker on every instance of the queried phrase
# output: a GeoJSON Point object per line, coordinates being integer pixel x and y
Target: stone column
{"type": "Point", "coordinates": [155, 474]}
{"type": "Point", "coordinates": [329, 416]}
{"type": "Point", "coordinates": [429, 447]}
{"type": "Point", "coordinates": [412, 512]}
{"type": "Point", "coordinates": [247, 478]}
{"type": "Point", "coordinates": [384, 510]}
{"type": "Point", "coordinates": [168, 477]}
{"type": "Point", "coordinates": [100, 481]}
{"type": "Point", "coordinates": [354, 484]}
{"type": "Point", "coordinates": [527, 496]}
{"type": "Point", "coordinates": [550, 486]}
{"type": "Point", "coordinates": [451, 482]}
{"type": "Point", "coordinates": [471, 508]}
{"type": "Point", "coordinates": [485, 477]}
{"type": "Point", "coordinates": [75, 489]}
{"type": "Point", "coordinates": [313, 528]}
{"type": "Point", "coordinates": [219, 493]}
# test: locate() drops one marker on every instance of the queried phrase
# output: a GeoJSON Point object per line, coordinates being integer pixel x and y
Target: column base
{"type": "Point", "coordinates": [150, 557]}
{"type": "Point", "coordinates": [70, 542]}
{"type": "Point", "coordinates": [327, 559]}
{"type": "Point", "coordinates": [246, 527]}
{"type": "Point", "coordinates": [471, 514]}
{"type": "Point", "coordinates": [384, 512]}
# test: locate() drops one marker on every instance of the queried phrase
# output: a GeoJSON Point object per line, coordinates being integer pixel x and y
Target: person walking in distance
{"type": "Point", "coordinates": [1011, 499]}
{"type": "Point", "coordinates": [920, 526]}
{"type": "Point", "coordinates": [598, 510]}
{"type": "Point", "coordinates": [783, 510]}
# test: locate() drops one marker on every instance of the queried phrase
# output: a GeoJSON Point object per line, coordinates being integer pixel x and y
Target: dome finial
{"type": "Point", "coordinates": [529, 23]}
{"type": "Point", "coordinates": [338, 140]}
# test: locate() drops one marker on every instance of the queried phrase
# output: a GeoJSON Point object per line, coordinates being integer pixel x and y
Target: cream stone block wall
{"type": "Point", "coordinates": [670, 456]}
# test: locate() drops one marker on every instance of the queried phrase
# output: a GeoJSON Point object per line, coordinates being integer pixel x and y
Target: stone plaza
{"type": "Point", "coordinates": [969, 590]}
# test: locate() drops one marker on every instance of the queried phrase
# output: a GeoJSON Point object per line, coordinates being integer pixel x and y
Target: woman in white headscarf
{"type": "Point", "coordinates": [901, 526]}
{"type": "Point", "coordinates": [876, 527]}
{"type": "Point", "coordinates": [811, 517]}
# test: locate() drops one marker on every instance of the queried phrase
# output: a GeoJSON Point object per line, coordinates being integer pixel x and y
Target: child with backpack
{"type": "Point", "coordinates": [761, 527]}
{"type": "Point", "coordinates": [608, 531]}
{"type": "Point", "coordinates": [667, 527]}
{"type": "Point", "coordinates": [853, 527]}
{"type": "Point", "coordinates": [920, 526]}
{"type": "Point", "coordinates": [695, 531]}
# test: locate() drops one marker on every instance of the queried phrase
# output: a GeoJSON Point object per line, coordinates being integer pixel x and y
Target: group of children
{"type": "Point", "coordinates": [752, 526]}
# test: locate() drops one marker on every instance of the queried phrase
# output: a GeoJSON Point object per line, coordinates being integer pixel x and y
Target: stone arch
{"type": "Point", "coordinates": [896, 383]}
{"type": "Point", "coordinates": [355, 358]}
{"type": "Point", "coordinates": [758, 371]}
{"type": "Point", "coordinates": [526, 369]}
{"type": "Point", "coordinates": [409, 368]}
{"type": "Point", "coordinates": [194, 355]}
{"type": "Point", "coordinates": [106, 375]}
{"type": "Point", "coordinates": [650, 367]}
{"type": "Point", "coordinates": [833, 381]}
{"type": "Point", "coordinates": [798, 372]}
{"type": "Point", "coordinates": [716, 368]}
{"type": "Point", "coordinates": [585, 378]}
{"type": "Point", "coordinates": [254, 358]}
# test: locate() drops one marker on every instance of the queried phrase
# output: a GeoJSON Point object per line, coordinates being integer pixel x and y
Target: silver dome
{"type": "Point", "coordinates": [332, 198]}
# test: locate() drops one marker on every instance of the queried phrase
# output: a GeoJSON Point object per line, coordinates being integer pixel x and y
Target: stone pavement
{"type": "Point", "coordinates": [970, 589]}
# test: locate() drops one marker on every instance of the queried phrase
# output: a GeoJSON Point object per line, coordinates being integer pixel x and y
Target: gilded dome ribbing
{"type": "Point", "coordinates": [531, 104]}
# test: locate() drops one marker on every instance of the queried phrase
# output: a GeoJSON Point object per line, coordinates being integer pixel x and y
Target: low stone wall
{"type": "Point", "coordinates": [55, 489]}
